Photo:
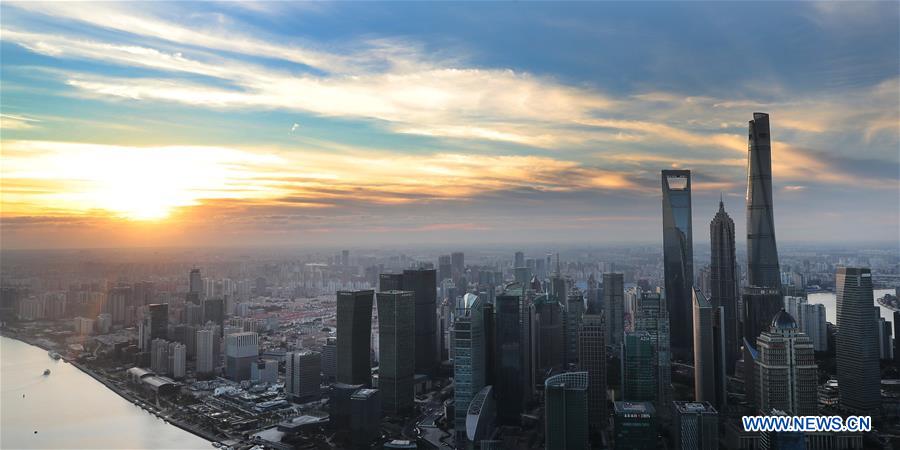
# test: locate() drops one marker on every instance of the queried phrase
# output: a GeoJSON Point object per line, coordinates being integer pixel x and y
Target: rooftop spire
{"type": "Point", "coordinates": [721, 202]}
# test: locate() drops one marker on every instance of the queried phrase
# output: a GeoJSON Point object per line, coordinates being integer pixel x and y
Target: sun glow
{"type": "Point", "coordinates": [134, 183]}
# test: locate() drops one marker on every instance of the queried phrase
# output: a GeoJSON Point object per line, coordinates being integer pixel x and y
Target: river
{"type": "Point", "coordinates": [829, 299]}
{"type": "Point", "coordinates": [71, 410]}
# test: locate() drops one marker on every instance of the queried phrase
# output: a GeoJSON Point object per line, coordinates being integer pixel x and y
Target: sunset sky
{"type": "Point", "coordinates": [220, 124]}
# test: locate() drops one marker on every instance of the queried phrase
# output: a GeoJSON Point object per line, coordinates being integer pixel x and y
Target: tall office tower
{"type": "Point", "coordinates": [365, 417]}
{"type": "Point", "coordinates": [592, 359]}
{"type": "Point", "coordinates": [457, 266]}
{"type": "Point", "coordinates": [709, 370]}
{"type": "Point", "coordinates": [339, 407]}
{"type": "Point", "coordinates": [858, 371]}
{"type": "Point", "coordinates": [678, 256]}
{"type": "Point", "coordinates": [445, 268]}
{"type": "Point", "coordinates": [354, 337]}
{"type": "Point", "coordinates": [345, 258]}
{"type": "Point", "coordinates": [566, 411]}
{"type": "Point", "coordinates": [723, 282]}
{"type": "Point", "coordinates": [786, 377]}
{"type": "Point", "coordinates": [481, 417]}
{"type": "Point", "coordinates": [193, 314]}
{"type": "Point", "coordinates": [550, 335]}
{"type": "Point", "coordinates": [896, 338]}
{"type": "Point", "coordinates": [811, 318]}
{"type": "Point", "coordinates": [651, 316]}
{"type": "Point", "coordinates": [396, 343]}
{"type": "Point", "coordinates": [159, 356]}
{"type": "Point", "coordinates": [760, 306]}
{"type": "Point", "coordinates": [512, 371]}
{"type": "Point", "coordinates": [120, 298]}
{"type": "Point", "coordinates": [634, 426]}
{"type": "Point", "coordinates": [469, 363]}
{"type": "Point", "coordinates": [762, 253]}
{"type": "Point", "coordinates": [519, 260]}
{"type": "Point", "coordinates": [696, 426]}
{"type": "Point", "coordinates": [573, 314]}
{"type": "Point", "coordinates": [329, 359]}
{"type": "Point", "coordinates": [423, 284]}
{"type": "Point", "coordinates": [302, 375]}
{"type": "Point", "coordinates": [177, 360]}
{"type": "Point", "coordinates": [883, 328]}
{"type": "Point", "coordinates": [241, 349]}
{"type": "Point", "coordinates": [264, 371]}
{"type": "Point", "coordinates": [390, 282]}
{"type": "Point", "coordinates": [205, 352]}
{"type": "Point", "coordinates": [592, 296]}
{"type": "Point", "coordinates": [639, 368]}
{"type": "Point", "coordinates": [158, 315]}
{"type": "Point", "coordinates": [195, 287]}
{"type": "Point", "coordinates": [214, 311]}
{"type": "Point", "coordinates": [522, 275]}
{"type": "Point", "coordinates": [614, 304]}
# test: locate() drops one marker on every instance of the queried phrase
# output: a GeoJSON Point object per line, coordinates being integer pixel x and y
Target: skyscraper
{"type": "Point", "coordinates": [613, 304]}
{"type": "Point", "coordinates": [786, 377]}
{"type": "Point", "coordinates": [423, 284]}
{"type": "Point", "coordinates": [858, 371]}
{"type": "Point", "coordinates": [762, 253]}
{"type": "Point", "coordinates": [651, 316]}
{"type": "Point", "coordinates": [760, 305]}
{"type": "Point", "coordinates": [469, 363]}
{"type": "Point", "coordinates": [634, 426]}
{"type": "Point", "coordinates": [205, 355]}
{"type": "Point", "coordinates": [302, 375]}
{"type": "Point", "coordinates": [678, 256]}
{"type": "Point", "coordinates": [354, 337]}
{"type": "Point", "coordinates": [573, 314]}
{"type": "Point", "coordinates": [811, 318]}
{"type": "Point", "coordinates": [214, 311]}
{"type": "Point", "coordinates": [723, 286]}
{"type": "Point", "coordinates": [566, 411]}
{"type": "Point", "coordinates": [550, 335]}
{"type": "Point", "coordinates": [195, 287]}
{"type": "Point", "coordinates": [513, 372]}
{"type": "Point", "coordinates": [159, 320]}
{"type": "Point", "coordinates": [709, 352]}
{"type": "Point", "coordinates": [696, 426]}
{"type": "Point", "coordinates": [704, 356]}
{"type": "Point", "coordinates": [390, 282]}
{"type": "Point", "coordinates": [592, 359]}
{"type": "Point", "coordinates": [639, 368]}
{"type": "Point", "coordinates": [365, 417]}
{"type": "Point", "coordinates": [396, 343]}
{"type": "Point", "coordinates": [241, 349]}
{"type": "Point", "coordinates": [519, 260]}
{"type": "Point", "coordinates": [457, 266]}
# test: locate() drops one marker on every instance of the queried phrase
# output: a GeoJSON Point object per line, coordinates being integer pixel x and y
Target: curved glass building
{"type": "Point", "coordinates": [566, 411]}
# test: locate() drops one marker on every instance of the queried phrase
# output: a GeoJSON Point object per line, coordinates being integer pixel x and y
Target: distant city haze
{"type": "Point", "coordinates": [277, 124]}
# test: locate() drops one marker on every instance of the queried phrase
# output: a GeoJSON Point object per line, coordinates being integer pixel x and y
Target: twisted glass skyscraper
{"type": "Point", "coordinates": [762, 253]}
{"type": "Point", "coordinates": [678, 256]}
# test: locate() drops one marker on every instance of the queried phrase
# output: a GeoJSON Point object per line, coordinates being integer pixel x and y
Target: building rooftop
{"type": "Point", "coordinates": [634, 407]}
{"type": "Point", "coordinates": [694, 407]}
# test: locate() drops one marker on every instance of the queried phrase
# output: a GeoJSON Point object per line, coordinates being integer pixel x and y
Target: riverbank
{"type": "Point", "coordinates": [120, 391]}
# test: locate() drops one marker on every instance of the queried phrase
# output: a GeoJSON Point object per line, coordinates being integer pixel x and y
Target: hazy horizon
{"type": "Point", "coordinates": [242, 125]}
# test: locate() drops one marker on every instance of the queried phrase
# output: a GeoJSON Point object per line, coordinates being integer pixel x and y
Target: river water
{"type": "Point", "coordinates": [71, 410]}
{"type": "Point", "coordinates": [829, 299]}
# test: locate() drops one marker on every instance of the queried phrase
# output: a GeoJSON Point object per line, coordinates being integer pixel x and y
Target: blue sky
{"type": "Point", "coordinates": [209, 123]}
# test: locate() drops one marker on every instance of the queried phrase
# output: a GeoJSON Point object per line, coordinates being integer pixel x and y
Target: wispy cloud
{"type": "Point", "coordinates": [17, 122]}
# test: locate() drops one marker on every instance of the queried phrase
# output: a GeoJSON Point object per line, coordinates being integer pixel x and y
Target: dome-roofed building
{"type": "Point", "coordinates": [786, 373]}
{"type": "Point", "coordinates": [784, 321]}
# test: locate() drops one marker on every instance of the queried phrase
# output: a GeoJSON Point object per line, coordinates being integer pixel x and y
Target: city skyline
{"type": "Point", "coordinates": [257, 125]}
